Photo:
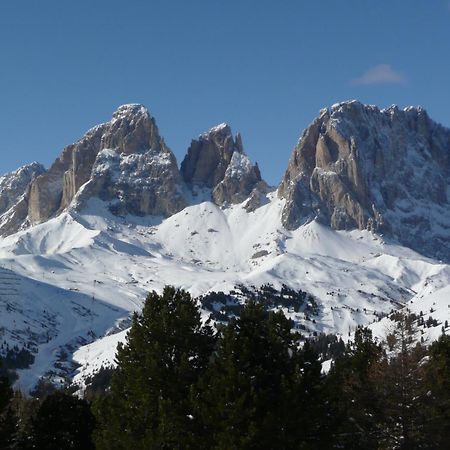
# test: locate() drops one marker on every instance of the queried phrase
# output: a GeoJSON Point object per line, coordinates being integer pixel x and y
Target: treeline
{"type": "Point", "coordinates": [250, 385]}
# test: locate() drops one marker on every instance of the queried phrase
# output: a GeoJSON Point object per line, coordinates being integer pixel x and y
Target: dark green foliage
{"type": "Point", "coordinates": [43, 388]}
{"type": "Point", "coordinates": [24, 411]}
{"type": "Point", "coordinates": [167, 350]}
{"type": "Point", "coordinates": [16, 358]}
{"type": "Point", "coordinates": [63, 422]}
{"type": "Point", "coordinates": [7, 423]}
{"type": "Point", "coordinates": [437, 382]}
{"type": "Point", "coordinates": [351, 420]}
{"type": "Point", "coordinates": [99, 383]}
{"type": "Point", "coordinates": [255, 385]}
{"type": "Point", "coordinates": [400, 389]}
{"type": "Point", "coordinates": [223, 306]}
{"type": "Point", "coordinates": [12, 359]}
{"type": "Point", "coordinates": [328, 346]}
{"type": "Point", "coordinates": [250, 395]}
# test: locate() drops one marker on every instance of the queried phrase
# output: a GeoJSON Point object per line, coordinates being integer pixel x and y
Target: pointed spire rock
{"type": "Point", "coordinates": [216, 160]}
{"type": "Point", "coordinates": [14, 187]}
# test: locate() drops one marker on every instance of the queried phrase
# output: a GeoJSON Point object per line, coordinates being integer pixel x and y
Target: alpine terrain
{"type": "Point", "coordinates": [359, 225]}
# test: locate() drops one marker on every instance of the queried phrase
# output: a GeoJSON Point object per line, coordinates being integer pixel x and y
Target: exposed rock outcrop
{"type": "Point", "coordinates": [357, 166]}
{"type": "Point", "coordinates": [217, 161]}
{"type": "Point", "coordinates": [14, 188]}
{"type": "Point", "coordinates": [138, 183]}
{"type": "Point", "coordinates": [124, 161]}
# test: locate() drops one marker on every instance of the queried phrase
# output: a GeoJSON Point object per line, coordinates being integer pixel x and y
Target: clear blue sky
{"type": "Point", "coordinates": [265, 67]}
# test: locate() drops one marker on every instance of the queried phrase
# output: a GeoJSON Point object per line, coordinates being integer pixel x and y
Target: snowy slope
{"type": "Point", "coordinates": [77, 277]}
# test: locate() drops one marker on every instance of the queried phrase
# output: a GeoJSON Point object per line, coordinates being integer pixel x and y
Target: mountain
{"type": "Point", "coordinates": [124, 162]}
{"type": "Point", "coordinates": [114, 217]}
{"type": "Point", "coordinates": [217, 161]}
{"type": "Point", "coordinates": [357, 166]}
{"type": "Point", "coordinates": [14, 189]}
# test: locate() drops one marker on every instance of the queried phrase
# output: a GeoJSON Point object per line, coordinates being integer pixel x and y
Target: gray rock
{"type": "Point", "coordinates": [124, 161]}
{"type": "Point", "coordinates": [14, 188]}
{"type": "Point", "coordinates": [138, 183]}
{"type": "Point", "coordinates": [357, 166]}
{"type": "Point", "coordinates": [217, 161]}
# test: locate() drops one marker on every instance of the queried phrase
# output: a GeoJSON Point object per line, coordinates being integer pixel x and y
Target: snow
{"type": "Point", "coordinates": [239, 166]}
{"type": "Point", "coordinates": [217, 128]}
{"type": "Point", "coordinates": [80, 274]}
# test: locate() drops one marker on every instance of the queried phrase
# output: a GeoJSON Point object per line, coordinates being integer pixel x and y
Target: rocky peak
{"type": "Point", "coordinates": [208, 156]}
{"type": "Point", "coordinates": [143, 164]}
{"type": "Point", "coordinates": [14, 187]}
{"type": "Point", "coordinates": [216, 160]}
{"type": "Point", "coordinates": [388, 170]}
{"type": "Point", "coordinates": [14, 184]}
{"type": "Point", "coordinates": [132, 130]}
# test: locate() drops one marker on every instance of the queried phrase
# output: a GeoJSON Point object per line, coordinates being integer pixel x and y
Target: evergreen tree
{"type": "Point", "coordinates": [167, 350]}
{"type": "Point", "coordinates": [305, 419]}
{"type": "Point", "coordinates": [248, 399]}
{"type": "Point", "coordinates": [63, 422]}
{"type": "Point", "coordinates": [437, 387]}
{"type": "Point", "coordinates": [351, 422]}
{"type": "Point", "coordinates": [24, 410]}
{"type": "Point", "coordinates": [7, 422]}
{"type": "Point", "coordinates": [401, 391]}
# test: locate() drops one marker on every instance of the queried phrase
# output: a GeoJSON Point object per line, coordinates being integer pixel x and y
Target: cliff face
{"type": "Point", "coordinates": [357, 166]}
{"type": "Point", "coordinates": [14, 190]}
{"type": "Point", "coordinates": [124, 161]}
{"type": "Point", "coordinates": [216, 160]}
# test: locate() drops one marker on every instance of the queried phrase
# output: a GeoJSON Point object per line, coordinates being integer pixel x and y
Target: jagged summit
{"type": "Point", "coordinates": [216, 160]}
{"type": "Point", "coordinates": [130, 109]}
{"type": "Point", "coordinates": [220, 128]}
{"type": "Point", "coordinates": [388, 170]}
{"type": "Point", "coordinates": [355, 166]}
{"type": "Point", "coordinates": [14, 187]}
{"type": "Point", "coordinates": [126, 163]}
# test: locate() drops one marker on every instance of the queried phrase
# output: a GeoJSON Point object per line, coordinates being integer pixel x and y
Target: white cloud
{"type": "Point", "coordinates": [381, 74]}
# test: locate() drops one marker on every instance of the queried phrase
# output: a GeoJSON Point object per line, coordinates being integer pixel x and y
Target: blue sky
{"type": "Point", "coordinates": [264, 67]}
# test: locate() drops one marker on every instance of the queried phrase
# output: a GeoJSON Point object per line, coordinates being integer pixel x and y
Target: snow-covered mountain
{"type": "Point", "coordinates": [114, 217]}
{"type": "Point", "coordinates": [14, 195]}
{"type": "Point", "coordinates": [357, 166]}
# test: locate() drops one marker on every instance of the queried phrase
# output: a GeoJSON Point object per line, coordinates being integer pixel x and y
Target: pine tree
{"type": "Point", "coordinates": [437, 399]}
{"type": "Point", "coordinates": [401, 391]}
{"type": "Point", "coordinates": [63, 422]}
{"type": "Point", "coordinates": [149, 404]}
{"type": "Point", "coordinates": [7, 422]}
{"type": "Point", "coordinates": [24, 410]}
{"type": "Point", "coordinates": [351, 398]}
{"type": "Point", "coordinates": [247, 399]}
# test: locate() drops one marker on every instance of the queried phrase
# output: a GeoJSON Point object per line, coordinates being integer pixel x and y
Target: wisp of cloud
{"type": "Point", "coordinates": [380, 74]}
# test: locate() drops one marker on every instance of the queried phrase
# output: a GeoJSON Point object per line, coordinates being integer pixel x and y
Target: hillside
{"type": "Point", "coordinates": [121, 220]}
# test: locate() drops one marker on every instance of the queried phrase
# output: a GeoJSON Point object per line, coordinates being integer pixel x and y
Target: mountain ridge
{"type": "Point", "coordinates": [80, 273]}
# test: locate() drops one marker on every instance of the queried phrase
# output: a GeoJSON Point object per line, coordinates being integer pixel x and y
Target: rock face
{"type": "Point", "coordinates": [124, 161]}
{"type": "Point", "coordinates": [138, 183]}
{"type": "Point", "coordinates": [217, 161]}
{"type": "Point", "coordinates": [357, 166]}
{"type": "Point", "coordinates": [13, 196]}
